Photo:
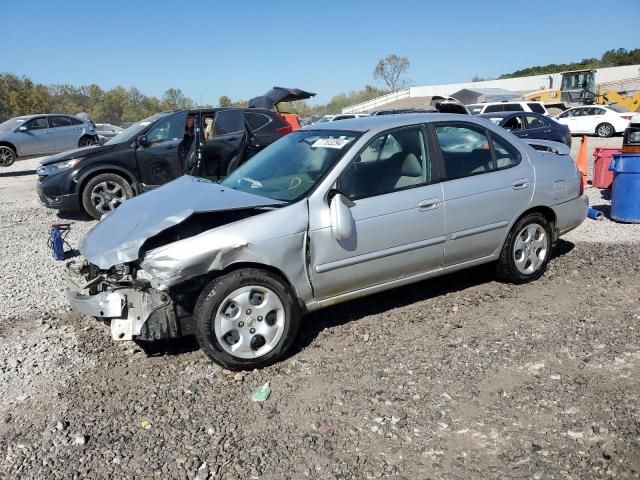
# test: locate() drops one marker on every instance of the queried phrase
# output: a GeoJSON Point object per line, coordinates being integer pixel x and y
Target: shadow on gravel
{"type": "Point", "coordinates": [313, 324]}
{"type": "Point", "coordinates": [169, 347]}
{"type": "Point", "coordinates": [17, 173]}
{"type": "Point", "coordinates": [77, 216]}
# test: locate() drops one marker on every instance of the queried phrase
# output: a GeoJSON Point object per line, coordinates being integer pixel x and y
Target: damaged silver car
{"type": "Point", "coordinates": [329, 213]}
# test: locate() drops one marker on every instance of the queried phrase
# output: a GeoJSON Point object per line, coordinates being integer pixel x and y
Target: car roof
{"type": "Point", "coordinates": [385, 122]}
{"type": "Point", "coordinates": [508, 114]}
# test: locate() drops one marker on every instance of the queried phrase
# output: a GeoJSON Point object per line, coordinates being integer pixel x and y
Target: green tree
{"type": "Point", "coordinates": [390, 70]}
{"type": "Point", "coordinates": [174, 99]}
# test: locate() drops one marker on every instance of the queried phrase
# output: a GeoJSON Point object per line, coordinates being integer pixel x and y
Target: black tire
{"type": "Point", "coordinates": [86, 141]}
{"type": "Point", "coordinates": [7, 156]}
{"type": "Point", "coordinates": [605, 130]}
{"type": "Point", "coordinates": [93, 186]}
{"type": "Point", "coordinates": [217, 291]}
{"type": "Point", "coordinates": [507, 269]}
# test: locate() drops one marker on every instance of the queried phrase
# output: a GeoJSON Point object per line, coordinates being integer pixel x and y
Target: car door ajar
{"type": "Point", "coordinates": [160, 157]}
{"type": "Point", "coordinates": [486, 183]}
{"type": "Point", "coordinates": [398, 219]}
{"type": "Point", "coordinates": [223, 143]}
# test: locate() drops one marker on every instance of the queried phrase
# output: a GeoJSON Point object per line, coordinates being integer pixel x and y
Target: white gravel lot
{"type": "Point", "coordinates": [32, 279]}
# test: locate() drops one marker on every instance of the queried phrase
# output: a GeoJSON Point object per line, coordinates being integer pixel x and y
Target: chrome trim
{"type": "Point", "coordinates": [477, 230]}
{"type": "Point", "coordinates": [347, 262]}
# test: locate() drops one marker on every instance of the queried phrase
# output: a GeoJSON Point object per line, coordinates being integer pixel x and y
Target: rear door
{"type": "Point", "coordinates": [65, 133]}
{"type": "Point", "coordinates": [223, 145]}
{"type": "Point", "coordinates": [486, 183]}
{"type": "Point", "coordinates": [162, 158]}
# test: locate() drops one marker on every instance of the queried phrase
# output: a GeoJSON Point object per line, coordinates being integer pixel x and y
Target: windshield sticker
{"type": "Point", "coordinates": [330, 143]}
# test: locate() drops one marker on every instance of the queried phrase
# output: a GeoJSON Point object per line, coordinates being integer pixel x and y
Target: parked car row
{"type": "Point", "coordinates": [43, 135]}
{"type": "Point", "coordinates": [328, 213]}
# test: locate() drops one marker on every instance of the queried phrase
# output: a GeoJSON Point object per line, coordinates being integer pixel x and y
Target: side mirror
{"type": "Point", "coordinates": [21, 128]}
{"type": "Point", "coordinates": [143, 141]}
{"type": "Point", "coordinates": [341, 218]}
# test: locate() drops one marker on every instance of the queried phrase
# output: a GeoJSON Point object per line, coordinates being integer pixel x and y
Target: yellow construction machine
{"type": "Point", "coordinates": [579, 87]}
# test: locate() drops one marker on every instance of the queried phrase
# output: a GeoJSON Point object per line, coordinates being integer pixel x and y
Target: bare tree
{"type": "Point", "coordinates": [390, 69]}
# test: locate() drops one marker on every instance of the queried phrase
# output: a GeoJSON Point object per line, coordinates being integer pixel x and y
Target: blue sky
{"type": "Point", "coordinates": [242, 48]}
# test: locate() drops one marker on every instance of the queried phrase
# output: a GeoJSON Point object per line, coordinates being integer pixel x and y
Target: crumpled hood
{"type": "Point", "coordinates": [75, 153]}
{"type": "Point", "coordinates": [117, 238]}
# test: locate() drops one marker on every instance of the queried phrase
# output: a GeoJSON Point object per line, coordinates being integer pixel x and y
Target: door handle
{"type": "Point", "coordinates": [430, 204]}
{"type": "Point", "coordinates": [521, 183]}
{"type": "Point", "coordinates": [524, 134]}
{"type": "Point", "coordinates": [172, 146]}
{"type": "Point", "coordinates": [547, 131]}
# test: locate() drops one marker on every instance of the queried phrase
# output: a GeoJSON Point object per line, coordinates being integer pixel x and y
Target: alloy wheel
{"type": "Point", "coordinates": [249, 322]}
{"type": "Point", "coordinates": [530, 248]}
{"type": "Point", "coordinates": [7, 157]}
{"type": "Point", "coordinates": [106, 196]}
{"type": "Point", "coordinates": [604, 131]}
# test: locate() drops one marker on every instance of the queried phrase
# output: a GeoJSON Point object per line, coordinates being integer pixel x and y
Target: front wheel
{"type": "Point", "coordinates": [605, 130]}
{"type": "Point", "coordinates": [104, 193]}
{"type": "Point", "coordinates": [527, 250]}
{"type": "Point", "coordinates": [246, 319]}
{"type": "Point", "coordinates": [7, 156]}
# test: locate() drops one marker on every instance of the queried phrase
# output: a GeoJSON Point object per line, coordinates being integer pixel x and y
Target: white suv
{"type": "Point", "coordinates": [512, 106]}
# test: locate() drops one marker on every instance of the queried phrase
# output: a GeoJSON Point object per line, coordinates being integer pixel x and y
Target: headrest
{"type": "Point", "coordinates": [411, 166]}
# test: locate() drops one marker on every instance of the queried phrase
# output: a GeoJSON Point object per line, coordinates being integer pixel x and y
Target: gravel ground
{"type": "Point", "coordinates": [462, 377]}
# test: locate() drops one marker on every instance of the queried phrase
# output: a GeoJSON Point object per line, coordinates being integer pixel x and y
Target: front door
{"type": "Point", "coordinates": [162, 158]}
{"type": "Point", "coordinates": [36, 139]}
{"type": "Point", "coordinates": [486, 181]}
{"type": "Point", "coordinates": [536, 127]}
{"type": "Point", "coordinates": [398, 219]}
{"type": "Point", "coordinates": [223, 141]}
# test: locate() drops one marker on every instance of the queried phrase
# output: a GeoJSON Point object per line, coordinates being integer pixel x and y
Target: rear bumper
{"type": "Point", "coordinates": [571, 214]}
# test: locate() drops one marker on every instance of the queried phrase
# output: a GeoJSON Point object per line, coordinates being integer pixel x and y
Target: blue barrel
{"type": "Point", "coordinates": [625, 190]}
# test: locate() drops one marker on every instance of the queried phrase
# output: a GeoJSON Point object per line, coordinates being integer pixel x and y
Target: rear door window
{"type": "Point", "coordinates": [534, 122]}
{"type": "Point", "coordinates": [228, 121]}
{"type": "Point", "coordinates": [469, 150]}
{"type": "Point", "coordinates": [494, 108]}
{"type": "Point", "coordinates": [59, 121]}
{"type": "Point", "coordinates": [512, 107]}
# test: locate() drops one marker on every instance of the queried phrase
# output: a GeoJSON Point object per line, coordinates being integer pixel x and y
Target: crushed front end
{"type": "Point", "coordinates": [124, 297]}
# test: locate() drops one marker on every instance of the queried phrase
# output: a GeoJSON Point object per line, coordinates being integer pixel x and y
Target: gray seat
{"type": "Point", "coordinates": [410, 172]}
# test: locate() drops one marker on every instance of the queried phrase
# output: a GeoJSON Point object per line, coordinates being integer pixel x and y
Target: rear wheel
{"type": "Point", "coordinates": [246, 319]}
{"type": "Point", "coordinates": [86, 141]}
{"type": "Point", "coordinates": [7, 156]}
{"type": "Point", "coordinates": [605, 130]}
{"type": "Point", "coordinates": [104, 193]}
{"type": "Point", "coordinates": [527, 250]}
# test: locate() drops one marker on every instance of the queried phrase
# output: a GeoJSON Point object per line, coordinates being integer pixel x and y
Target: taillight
{"type": "Point", "coordinates": [284, 130]}
{"type": "Point", "coordinates": [627, 117]}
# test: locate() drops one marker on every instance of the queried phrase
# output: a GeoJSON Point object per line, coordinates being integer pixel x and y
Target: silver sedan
{"type": "Point", "coordinates": [329, 213]}
{"type": "Point", "coordinates": [43, 135]}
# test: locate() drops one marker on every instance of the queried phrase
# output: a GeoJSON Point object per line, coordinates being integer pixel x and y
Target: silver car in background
{"type": "Point", "coordinates": [326, 214]}
{"type": "Point", "coordinates": [107, 130]}
{"type": "Point", "coordinates": [43, 135]}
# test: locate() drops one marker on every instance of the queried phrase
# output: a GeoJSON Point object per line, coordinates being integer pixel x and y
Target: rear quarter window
{"type": "Point", "coordinates": [494, 108]}
{"type": "Point", "coordinates": [256, 120]}
{"type": "Point", "coordinates": [536, 107]}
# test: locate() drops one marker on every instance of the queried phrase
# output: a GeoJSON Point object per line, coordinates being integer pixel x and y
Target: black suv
{"type": "Point", "coordinates": [206, 142]}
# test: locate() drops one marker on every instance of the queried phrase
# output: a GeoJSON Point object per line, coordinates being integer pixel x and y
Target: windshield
{"type": "Point", "coordinates": [129, 134]}
{"type": "Point", "coordinates": [12, 124]}
{"type": "Point", "coordinates": [618, 108]}
{"type": "Point", "coordinates": [292, 166]}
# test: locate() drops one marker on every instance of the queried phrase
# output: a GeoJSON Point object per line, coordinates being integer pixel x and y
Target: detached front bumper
{"type": "Point", "coordinates": [134, 312]}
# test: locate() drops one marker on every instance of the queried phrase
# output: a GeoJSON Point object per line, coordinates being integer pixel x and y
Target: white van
{"type": "Point", "coordinates": [511, 106]}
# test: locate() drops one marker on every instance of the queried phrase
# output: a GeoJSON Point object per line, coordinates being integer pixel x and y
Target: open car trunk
{"type": "Point", "coordinates": [278, 95]}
